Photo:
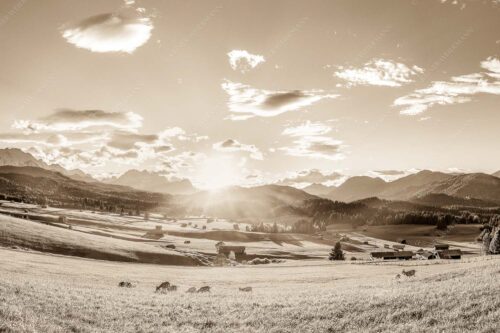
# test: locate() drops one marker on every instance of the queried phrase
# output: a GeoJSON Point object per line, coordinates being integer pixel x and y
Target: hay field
{"type": "Point", "coordinates": [51, 293]}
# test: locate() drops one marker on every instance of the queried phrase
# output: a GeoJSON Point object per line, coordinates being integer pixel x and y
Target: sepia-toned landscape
{"type": "Point", "coordinates": [249, 166]}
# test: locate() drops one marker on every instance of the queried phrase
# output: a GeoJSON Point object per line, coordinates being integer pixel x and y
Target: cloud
{"type": "Point", "coordinates": [460, 89]}
{"type": "Point", "coordinates": [241, 60]}
{"type": "Point", "coordinates": [308, 128]}
{"type": "Point", "coordinates": [316, 147]}
{"type": "Point", "coordinates": [74, 120]}
{"type": "Point", "coordinates": [231, 145]}
{"type": "Point", "coordinates": [379, 72]}
{"type": "Point", "coordinates": [52, 139]}
{"type": "Point", "coordinates": [110, 32]}
{"type": "Point", "coordinates": [389, 175]}
{"type": "Point", "coordinates": [247, 102]}
{"type": "Point", "coordinates": [126, 140]}
{"type": "Point", "coordinates": [311, 142]}
{"type": "Point", "coordinates": [312, 176]}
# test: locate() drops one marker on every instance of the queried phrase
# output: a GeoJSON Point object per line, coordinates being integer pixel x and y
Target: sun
{"type": "Point", "coordinates": [217, 172]}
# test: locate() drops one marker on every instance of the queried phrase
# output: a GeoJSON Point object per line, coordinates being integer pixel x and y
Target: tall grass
{"type": "Point", "coordinates": [446, 298]}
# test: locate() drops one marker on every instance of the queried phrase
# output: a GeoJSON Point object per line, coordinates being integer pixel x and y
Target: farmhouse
{"type": "Point", "coordinates": [398, 247]}
{"type": "Point", "coordinates": [227, 250]}
{"type": "Point", "coordinates": [449, 254]}
{"type": "Point", "coordinates": [388, 255]}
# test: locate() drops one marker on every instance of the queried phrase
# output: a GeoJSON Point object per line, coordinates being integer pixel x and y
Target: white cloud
{"type": "Point", "coordinates": [460, 89]}
{"type": "Point", "coordinates": [231, 145]}
{"type": "Point", "coordinates": [316, 147]}
{"type": "Point", "coordinates": [241, 60]}
{"type": "Point", "coordinates": [310, 142]}
{"type": "Point", "coordinates": [312, 176]}
{"type": "Point", "coordinates": [111, 32]}
{"type": "Point", "coordinates": [247, 102]}
{"type": "Point", "coordinates": [308, 128]}
{"type": "Point", "coordinates": [74, 120]}
{"type": "Point", "coordinates": [379, 72]}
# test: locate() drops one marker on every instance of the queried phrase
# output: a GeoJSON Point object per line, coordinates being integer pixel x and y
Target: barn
{"type": "Point", "coordinates": [239, 251]}
{"type": "Point", "coordinates": [449, 254]}
{"type": "Point", "coordinates": [388, 255]}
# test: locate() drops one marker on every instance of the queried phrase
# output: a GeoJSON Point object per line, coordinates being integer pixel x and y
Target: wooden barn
{"type": "Point", "coordinates": [239, 251]}
{"type": "Point", "coordinates": [449, 254]}
{"type": "Point", "coordinates": [388, 255]}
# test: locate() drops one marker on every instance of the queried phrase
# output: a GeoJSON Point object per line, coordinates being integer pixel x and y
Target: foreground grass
{"type": "Point", "coordinates": [40, 293]}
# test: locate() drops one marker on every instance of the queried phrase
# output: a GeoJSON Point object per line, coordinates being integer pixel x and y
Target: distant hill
{"type": "Point", "coordinates": [33, 184]}
{"type": "Point", "coordinates": [17, 157]}
{"type": "Point", "coordinates": [444, 200]}
{"type": "Point", "coordinates": [496, 174]}
{"type": "Point", "coordinates": [239, 202]}
{"type": "Point", "coordinates": [356, 188]}
{"type": "Point", "coordinates": [318, 189]}
{"type": "Point", "coordinates": [153, 182]}
{"type": "Point", "coordinates": [405, 188]}
{"type": "Point", "coordinates": [467, 186]}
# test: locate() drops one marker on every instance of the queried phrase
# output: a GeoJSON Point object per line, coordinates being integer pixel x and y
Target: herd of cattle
{"type": "Point", "coordinates": [166, 286]}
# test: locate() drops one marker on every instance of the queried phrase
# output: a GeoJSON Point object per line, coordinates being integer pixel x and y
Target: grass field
{"type": "Point", "coordinates": [51, 293]}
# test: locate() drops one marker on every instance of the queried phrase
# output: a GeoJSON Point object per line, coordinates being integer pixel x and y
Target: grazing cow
{"type": "Point", "coordinates": [204, 289]}
{"type": "Point", "coordinates": [246, 289]}
{"type": "Point", "coordinates": [163, 286]}
{"type": "Point", "coordinates": [409, 273]}
{"type": "Point", "coordinates": [191, 290]}
{"type": "Point", "coordinates": [125, 284]}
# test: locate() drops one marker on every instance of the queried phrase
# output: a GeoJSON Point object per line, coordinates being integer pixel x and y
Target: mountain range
{"type": "Point", "coordinates": [153, 182]}
{"type": "Point", "coordinates": [20, 172]}
{"type": "Point", "coordinates": [419, 187]}
{"type": "Point", "coordinates": [19, 158]}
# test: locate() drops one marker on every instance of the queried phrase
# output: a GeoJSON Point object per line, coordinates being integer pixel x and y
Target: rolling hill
{"type": "Point", "coordinates": [467, 186]}
{"type": "Point", "coordinates": [153, 182]}
{"type": "Point", "coordinates": [317, 189]}
{"type": "Point", "coordinates": [357, 188]}
{"type": "Point", "coordinates": [17, 157]}
{"type": "Point", "coordinates": [240, 202]}
{"type": "Point", "coordinates": [34, 184]}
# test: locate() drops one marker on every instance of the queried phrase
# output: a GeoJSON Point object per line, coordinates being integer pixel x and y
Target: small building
{"type": "Point", "coordinates": [229, 251]}
{"type": "Point", "coordinates": [398, 247]}
{"type": "Point", "coordinates": [388, 255]}
{"type": "Point", "coordinates": [441, 247]}
{"type": "Point", "coordinates": [449, 254]}
{"type": "Point", "coordinates": [158, 230]}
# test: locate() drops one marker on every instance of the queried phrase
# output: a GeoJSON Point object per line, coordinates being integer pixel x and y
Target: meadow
{"type": "Point", "coordinates": [42, 292]}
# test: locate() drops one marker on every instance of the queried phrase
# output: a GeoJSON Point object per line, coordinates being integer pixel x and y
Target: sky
{"type": "Point", "coordinates": [251, 92]}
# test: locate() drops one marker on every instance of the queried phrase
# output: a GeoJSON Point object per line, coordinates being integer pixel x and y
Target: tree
{"type": "Point", "coordinates": [495, 242]}
{"type": "Point", "coordinates": [441, 224]}
{"type": "Point", "coordinates": [486, 242]}
{"type": "Point", "coordinates": [337, 253]}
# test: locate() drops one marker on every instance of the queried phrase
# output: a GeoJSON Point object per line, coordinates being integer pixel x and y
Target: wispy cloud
{"type": "Point", "coordinates": [247, 102]}
{"type": "Point", "coordinates": [310, 142]}
{"type": "Point", "coordinates": [307, 128]}
{"type": "Point", "coordinates": [460, 89]}
{"type": "Point", "coordinates": [231, 145]}
{"type": "Point", "coordinates": [75, 120]}
{"type": "Point", "coordinates": [312, 176]}
{"type": "Point", "coordinates": [379, 72]}
{"type": "Point", "coordinates": [122, 31]}
{"type": "Point", "coordinates": [243, 61]}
